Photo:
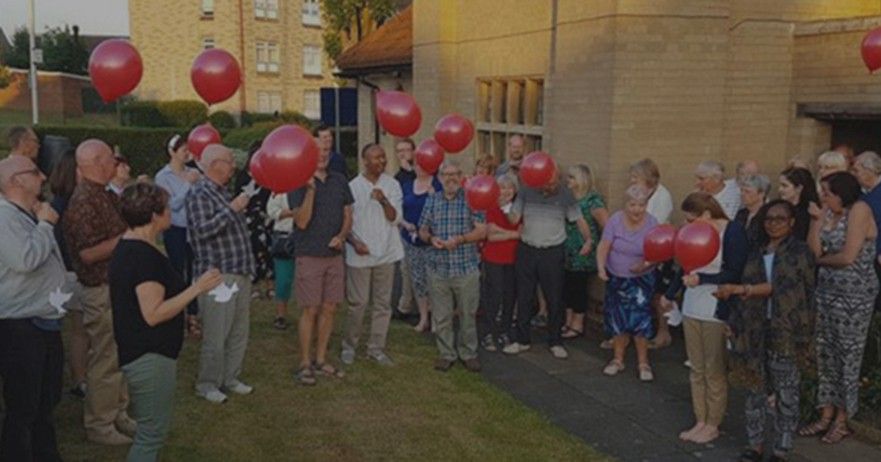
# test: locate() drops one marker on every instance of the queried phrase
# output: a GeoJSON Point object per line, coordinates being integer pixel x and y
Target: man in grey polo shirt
{"type": "Point", "coordinates": [541, 258]}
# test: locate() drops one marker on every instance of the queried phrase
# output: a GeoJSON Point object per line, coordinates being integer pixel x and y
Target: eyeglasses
{"type": "Point", "coordinates": [776, 219]}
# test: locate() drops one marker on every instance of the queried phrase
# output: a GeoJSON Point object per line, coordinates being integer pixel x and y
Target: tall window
{"type": "Point", "coordinates": [311, 13]}
{"type": "Point", "coordinates": [207, 43]}
{"type": "Point", "coordinates": [266, 9]}
{"type": "Point", "coordinates": [207, 8]}
{"type": "Point", "coordinates": [311, 60]}
{"type": "Point", "coordinates": [267, 57]}
{"type": "Point", "coordinates": [506, 107]}
{"type": "Point", "coordinates": [268, 102]}
{"type": "Point", "coordinates": [312, 104]}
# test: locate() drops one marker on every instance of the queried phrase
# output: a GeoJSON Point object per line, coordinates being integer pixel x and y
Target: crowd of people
{"type": "Point", "coordinates": [136, 264]}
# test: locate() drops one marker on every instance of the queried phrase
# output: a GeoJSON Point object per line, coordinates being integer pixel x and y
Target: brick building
{"type": "Point", "coordinates": [278, 44]}
{"type": "Point", "coordinates": [607, 82]}
{"type": "Point", "coordinates": [60, 94]}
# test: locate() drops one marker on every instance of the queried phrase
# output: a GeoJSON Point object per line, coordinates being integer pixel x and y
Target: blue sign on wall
{"type": "Point", "coordinates": [348, 106]}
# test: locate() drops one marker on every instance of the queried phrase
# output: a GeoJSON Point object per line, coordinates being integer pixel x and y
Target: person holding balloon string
{"type": "Point", "coordinates": [629, 279]}
{"type": "Point", "coordinates": [773, 328]}
{"type": "Point", "coordinates": [712, 250]}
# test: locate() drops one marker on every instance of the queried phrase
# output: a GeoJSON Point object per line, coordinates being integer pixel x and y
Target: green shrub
{"type": "Point", "coordinates": [251, 118]}
{"type": "Point", "coordinates": [143, 147]}
{"type": "Point", "coordinates": [142, 114]}
{"type": "Point", "coordinates": [222, 120]}
{"type": "Point", "coordinates": [183, 113]}
{"type": "Point", "coordinates": [241, 138]}
{"type": "Point", "coordinates": [293, 117]}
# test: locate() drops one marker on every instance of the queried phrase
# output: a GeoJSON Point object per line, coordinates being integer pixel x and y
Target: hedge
{"type": "Point", "coordinates": [241, 138]}
{"type": "Point", "coordinates": [177, 113]}
{"type": "Point", "coordinates": [142, 114]}
{"type": "Point", "coordinates": [143, 147]}
{"type": "Point", "coordinates": [222, 120]}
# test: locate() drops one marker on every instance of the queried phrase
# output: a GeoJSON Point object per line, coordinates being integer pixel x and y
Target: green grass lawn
{"type": "Point", "coordinates": [408, 412]}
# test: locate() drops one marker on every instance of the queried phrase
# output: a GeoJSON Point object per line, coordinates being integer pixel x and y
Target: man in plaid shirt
{"type": "Point", "coordinates": [219, 237]}
{"type": "Point", "coordinates": [453, 230]}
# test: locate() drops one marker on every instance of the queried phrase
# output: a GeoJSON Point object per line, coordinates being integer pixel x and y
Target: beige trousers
{"type": "Point", "coordinates": [705, 344]}
{"type": "Point", "coordinates": [365, 287]}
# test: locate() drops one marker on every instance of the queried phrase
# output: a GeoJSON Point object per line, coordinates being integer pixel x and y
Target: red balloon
{"type": "Point", "coordinates": [116, 68]}
{"type": "Point", "coordinates": [202, 136]}
{"type": "Point", "coordinates": [289, 158]}
{"type": "Point", "coordinates": [871, 49]}
{"type": "Point", "coordinates": [398, 113]}
{"type": "Point", "coordinates": [696, 245]}
{"type": "Point", "coordinates": [257, 169]}
{"type": "Point", "coordinates": [454, 132]}
{"type": "Point", "coordinates": [537, 169]}
{"type": "Point", "coordinates": [482, 192]}
{"type": "Point", "coordinates": [429, 155]}
{"type": "Point", "coordinates": [216, 75]}
{"type": "Point", "coordinates": [658, 245]}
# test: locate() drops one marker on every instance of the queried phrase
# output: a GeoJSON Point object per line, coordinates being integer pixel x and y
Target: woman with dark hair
{"type": "Point", "coordinates": [176, 179]}
{"type": "Point", "coordinates": [148, 299]}
{"type": "Point", "coordinates": [797, 186]}
{"type": "Point", "coordinates": [62, 181]}
{"type": "Point", "coordinates": [259, 223]}
{"type": "Point", "coordinates": [705, 316]}
{"type": "Point", "coordinates": [843, 239]}
{"type": "Point", "coordinates": [773, 328]}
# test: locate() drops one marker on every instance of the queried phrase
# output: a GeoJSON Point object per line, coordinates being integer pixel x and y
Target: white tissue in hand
{"type": "Point", "coordinates": [57, 299]}
{"type": "Point", "coordinates": [250, 189]}
{"type": "Point", "coordinates": [674, 316]}
{"type": "Point", "coordinates": [223, 293]}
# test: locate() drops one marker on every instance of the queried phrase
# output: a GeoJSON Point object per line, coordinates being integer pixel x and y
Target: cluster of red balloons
{"type": "Point", "coordinates": [286, 160]}
{"type": "Point", "coordinates": [694, 246]}
{"type": "Point", "coordinates": [116, 68]}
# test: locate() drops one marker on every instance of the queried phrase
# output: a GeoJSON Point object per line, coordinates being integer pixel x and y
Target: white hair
{"type": "Point", "coordinates": [711, 168]}
{"type": "Point", "coordinates": [870, 161]}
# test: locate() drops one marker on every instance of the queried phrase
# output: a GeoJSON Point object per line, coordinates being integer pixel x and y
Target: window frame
{"type": "Point", "coordinates": [315, 51]}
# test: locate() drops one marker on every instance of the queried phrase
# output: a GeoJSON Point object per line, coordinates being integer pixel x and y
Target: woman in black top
{"type": "Point", "coordinates": [797, 186]}
{"type": "Point", "coordinates": [148, 297]}
{"type": "Point", "coordinates": [754, 191]}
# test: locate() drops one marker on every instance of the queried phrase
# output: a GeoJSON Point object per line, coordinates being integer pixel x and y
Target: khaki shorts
{"type": "Point", "coordinates": [319, 280]}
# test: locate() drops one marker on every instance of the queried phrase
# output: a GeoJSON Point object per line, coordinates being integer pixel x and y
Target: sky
{"type": "Point", "coordinates": [95, 17]}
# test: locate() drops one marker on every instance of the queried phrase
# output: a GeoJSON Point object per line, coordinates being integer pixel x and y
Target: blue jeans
{"type": "Point", "coordinates": [151, 382]}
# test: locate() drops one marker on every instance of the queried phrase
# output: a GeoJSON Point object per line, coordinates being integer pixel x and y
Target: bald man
{"type": "Point", "coordinates": [219, 235]}
{"type": "Point", "coordinates": [31, 356]}
{"type": "Point", "coordinates": [92, 226]}
{"type": "Point", "coordinates": [745, 170]}
{"type": "Point", "coordinates": [516, 148]}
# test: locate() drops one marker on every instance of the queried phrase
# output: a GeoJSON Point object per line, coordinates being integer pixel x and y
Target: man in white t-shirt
{"type": "Point", "coordinates": [373, 248]}
{"type": "Point", "coordinates": [710, 176]}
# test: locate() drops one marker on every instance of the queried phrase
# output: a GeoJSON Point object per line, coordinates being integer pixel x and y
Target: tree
{"type": "Point", "coordinates": [348, 21]}
{"type": "Point", "coordinates": [5, 77]}
{"type": "Point", "coordinates": [63, 51]}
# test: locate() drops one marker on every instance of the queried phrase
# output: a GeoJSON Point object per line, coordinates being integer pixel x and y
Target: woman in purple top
{"type": "Point", "coordinates": [629, 283]}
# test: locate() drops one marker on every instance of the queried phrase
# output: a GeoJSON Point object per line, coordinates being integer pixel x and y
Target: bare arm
{"type": "Point", "coordinates": [601, 215]}
{"type": "Point", "coordinates": [814, 237]}
{"type": "Point", "coordinates": [495, 233]}
{"type": "Point", "coordinates": [602, 256]}
{"type": "Point", "coordinates": [347, 222]}
{"type": "Point", "coordinates": [859, 223]}
{"type": "Point", "coordinates": [156, 309]}
{"type": "Point", "coordinates": [584, 229]}
{"type": "Point", "coordinates": [303, 213]}
{"type": "Point", "coordinates": [100, 251]}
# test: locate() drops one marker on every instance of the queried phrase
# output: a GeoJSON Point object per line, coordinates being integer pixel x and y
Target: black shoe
{"type": "Point", "coordinates": [473, 365]}
{"type": "Point", "coordinates": [751, 455]}
{"type": "Point", "coordinates": [280, 323]}
{"type": "Point", "coordinates": [443, 365]}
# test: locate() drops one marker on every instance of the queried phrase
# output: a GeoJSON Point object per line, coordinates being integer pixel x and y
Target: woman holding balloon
{"type": "Point", "coordinates": [417, 252]}
{"type": "Point", "coordinates": [629, 281]}
{"type": "Point", "coordinates": [712, 250]}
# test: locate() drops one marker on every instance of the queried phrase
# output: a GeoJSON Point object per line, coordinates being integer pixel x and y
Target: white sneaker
{"type": "Point", "coordinates": [645, 373]}
{"type": "Point", "coordinates": [559, 352]}
{"type": "Point", "coordinates": [613, 368]}
{"type": "Point", "coordinates": [239, 388]}
{"type": "Point", "coordinates": [687, 363]}
{"type": "Point", "coordinates": [347, 356]}
{"type": "Point", "coordinates": [214, 395]}
{"type": "Point", "coordinates": [515, 348]}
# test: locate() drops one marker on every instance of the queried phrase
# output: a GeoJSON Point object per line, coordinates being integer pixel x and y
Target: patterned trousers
{"type": "Point", "coordinates": [782, 380]}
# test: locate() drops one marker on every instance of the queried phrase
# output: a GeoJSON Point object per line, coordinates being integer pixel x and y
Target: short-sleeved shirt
{"type": "Point", "coordinates": [729, 198]}
{"type": "Point", "coordinates": [873, 200]}
{"type": "Point", "coordinates": [370, 225]}
{"type": "Point", "coordinates": [331, 197]}
{"type": "Point", "coordinates": [134, 337]}
{"type": "Point", "coordinates": [500, 252]}
{"type": "Point", "coordinates": [626, 250]}
{"type": "Point", "coordinates": [177, 188]}
{"type": "Point", "coordinates": [92, 217]}
{"type": "Point", "coordinates": [446, 218]}
{"type": "Point", "coordinates": [574, 260]}
{"type": "Point", "coordinates": [544, 217]}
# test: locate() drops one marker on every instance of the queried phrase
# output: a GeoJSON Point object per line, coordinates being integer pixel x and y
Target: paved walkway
{"type": "Point", "coordinates": [630, 420]}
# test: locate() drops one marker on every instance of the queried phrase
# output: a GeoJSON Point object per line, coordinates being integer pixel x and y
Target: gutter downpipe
{"type": "Point", "coordinates": [375, 88]}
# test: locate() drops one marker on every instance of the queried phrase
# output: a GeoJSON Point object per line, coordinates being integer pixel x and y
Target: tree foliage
{"type": "Point", "coordinates": [5, 77]}
{"type": "Point", "coordinates": [348, 21]}
{"type": "Point", "coordinates": [63, 50]}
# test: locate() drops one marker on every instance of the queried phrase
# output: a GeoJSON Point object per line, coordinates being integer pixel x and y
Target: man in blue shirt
{"type": "Point", "coordinates": [324, 138]}
{"type": "Point", "coordinates": [867, 169]}
{"type": "Point", "coordinates": [453, 230]}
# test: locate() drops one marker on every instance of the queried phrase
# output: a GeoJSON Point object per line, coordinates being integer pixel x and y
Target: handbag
{"type": "Point", "coordinates": [282, 245]}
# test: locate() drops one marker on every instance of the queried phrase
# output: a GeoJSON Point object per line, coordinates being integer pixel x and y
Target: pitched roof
{"type": "Point", "coordinates": [4, 42]}
{"type": "Point", "coordinates": [387, 48]}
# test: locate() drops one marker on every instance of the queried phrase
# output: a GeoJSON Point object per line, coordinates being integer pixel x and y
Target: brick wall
{"type": "Point", "coordinates": [59, 94]}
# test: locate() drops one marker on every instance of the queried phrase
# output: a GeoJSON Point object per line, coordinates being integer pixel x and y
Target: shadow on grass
{"type": "Point", "coordinates": [407, 412]}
